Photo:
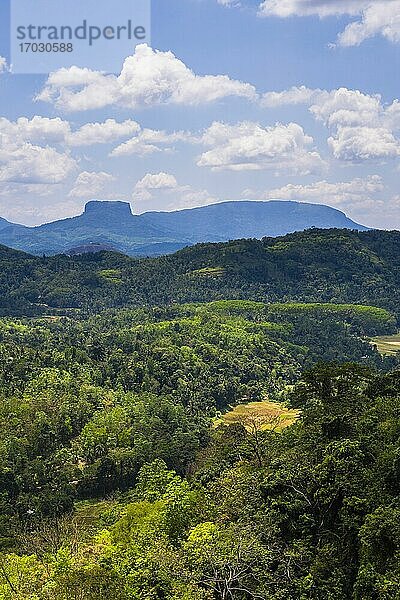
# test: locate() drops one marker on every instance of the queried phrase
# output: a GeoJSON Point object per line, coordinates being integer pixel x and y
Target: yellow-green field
{"type": "Point", "coordinates": [387, 344]}
{"type": "Point", "coordinates": [260, 415]}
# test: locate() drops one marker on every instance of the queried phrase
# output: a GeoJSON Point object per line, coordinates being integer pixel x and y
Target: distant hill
{"type": "Point", "coordinates": [234, 220]}
{"type": "Point", "coordinates": [317, 265]}
{"type": "Point", "coordinates": [4, 223]}
{"type": "Point", "coordinates": [89, 249]}
{"type": "Point", "coordinates": [112, 224]}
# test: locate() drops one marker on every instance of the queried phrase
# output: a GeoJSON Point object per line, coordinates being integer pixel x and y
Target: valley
{"type": "Point", "coordinates": [200, 300]}
{"type": "Point", "coordinates": [167, 421]}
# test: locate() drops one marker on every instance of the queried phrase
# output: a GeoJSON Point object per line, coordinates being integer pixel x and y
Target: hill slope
{"type": "Point", "coordinates": [317, 265]}
{"type": "Point", "coordinates": [150, 234]}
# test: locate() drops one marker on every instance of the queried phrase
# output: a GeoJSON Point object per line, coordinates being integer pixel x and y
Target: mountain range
{"type": "Point", "coordinates": [111, 225]}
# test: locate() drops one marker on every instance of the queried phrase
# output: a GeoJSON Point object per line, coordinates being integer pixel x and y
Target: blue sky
{"type": "Point", "coordinates": [293, 99]}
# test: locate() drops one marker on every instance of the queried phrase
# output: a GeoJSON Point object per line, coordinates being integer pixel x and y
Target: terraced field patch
{"type": "Point", "coordinates": [387, 344]}
{"type": "Point", "coordinates": [262, 416]}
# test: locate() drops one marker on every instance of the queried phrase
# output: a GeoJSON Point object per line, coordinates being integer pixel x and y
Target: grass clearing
{"type": "Point", "coordinates": [213, 272]}
{"type": "Point", "coordinates": [387, 344]}
{"type": "Point", "coordinates": [262, 416]}
{"type": "Point", "coordinates": [111, 275]}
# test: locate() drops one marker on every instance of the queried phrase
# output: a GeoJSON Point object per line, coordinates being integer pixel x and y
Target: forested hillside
{"type": "Point", "coordinates": [314, 266]}
{"type": "Point", "coordinates": [86, 404]}
{"type": "Point", "coordinates": [115, 486]}
{"type": "Point", "coordinates": [122, 476]}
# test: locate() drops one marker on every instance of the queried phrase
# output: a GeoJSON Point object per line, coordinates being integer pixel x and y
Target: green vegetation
{"type": "Point", "coordinates": [86, 403]}
{"type": "Point", "coordinates": [317, 266]}
{"type": "Point", "coordinates": [236, 449]}
{"type": "Point", "coordinates": [111, 275]}
{"type": "Point", "coordinates": [310, 512]}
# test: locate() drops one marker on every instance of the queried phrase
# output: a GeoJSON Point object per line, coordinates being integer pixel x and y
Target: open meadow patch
{"type": "Point", "coordinates": [263, 416]}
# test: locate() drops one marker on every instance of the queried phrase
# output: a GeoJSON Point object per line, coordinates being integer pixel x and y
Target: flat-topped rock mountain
{"type": "Point", "coordinates": [114, 210]}
{"type": "Point", "coordinates": [112, 223]}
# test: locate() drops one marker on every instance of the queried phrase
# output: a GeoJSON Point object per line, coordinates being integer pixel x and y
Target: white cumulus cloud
{"type": "Point", "coordinates": [295, 95]}
{"type": "Point", "coordinates": [339, 194]}
{"type": "Point", "coordinates": [373, 17]}
{"type": "Point", "coordinates": [359, 144]}
{"type": "Point", "coordinates": [91, 184]}
{"type": "Point", "coordinates": [363, 199]}
{"type": "Point", "coordinates": [378, 18]}
{"type": "Point", "coordinates": [362, 127]}
{"type": "Point", "coordinates": [148, 78]}
{"type": "Point", "coordinates": [161, 191]}
{"type": "Point", "coordinates": [156, 181]}
{"type": "Point", "coordinates": [44, 131]}
{"type": "Point", "coordinates": [28, 163]}
{"type": "Point", "coordinates": [250, 146]}
{"type": "Point", "coordinates": [102, 133]}
{"type": "Point", "coordinates": [148, 141]}
{"type": "Point", "coordinates": [347, 107]}
{"type": "Point", "coordinates": [25, 154]}
{"type": "Point", "coordinates": [38, 130]}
